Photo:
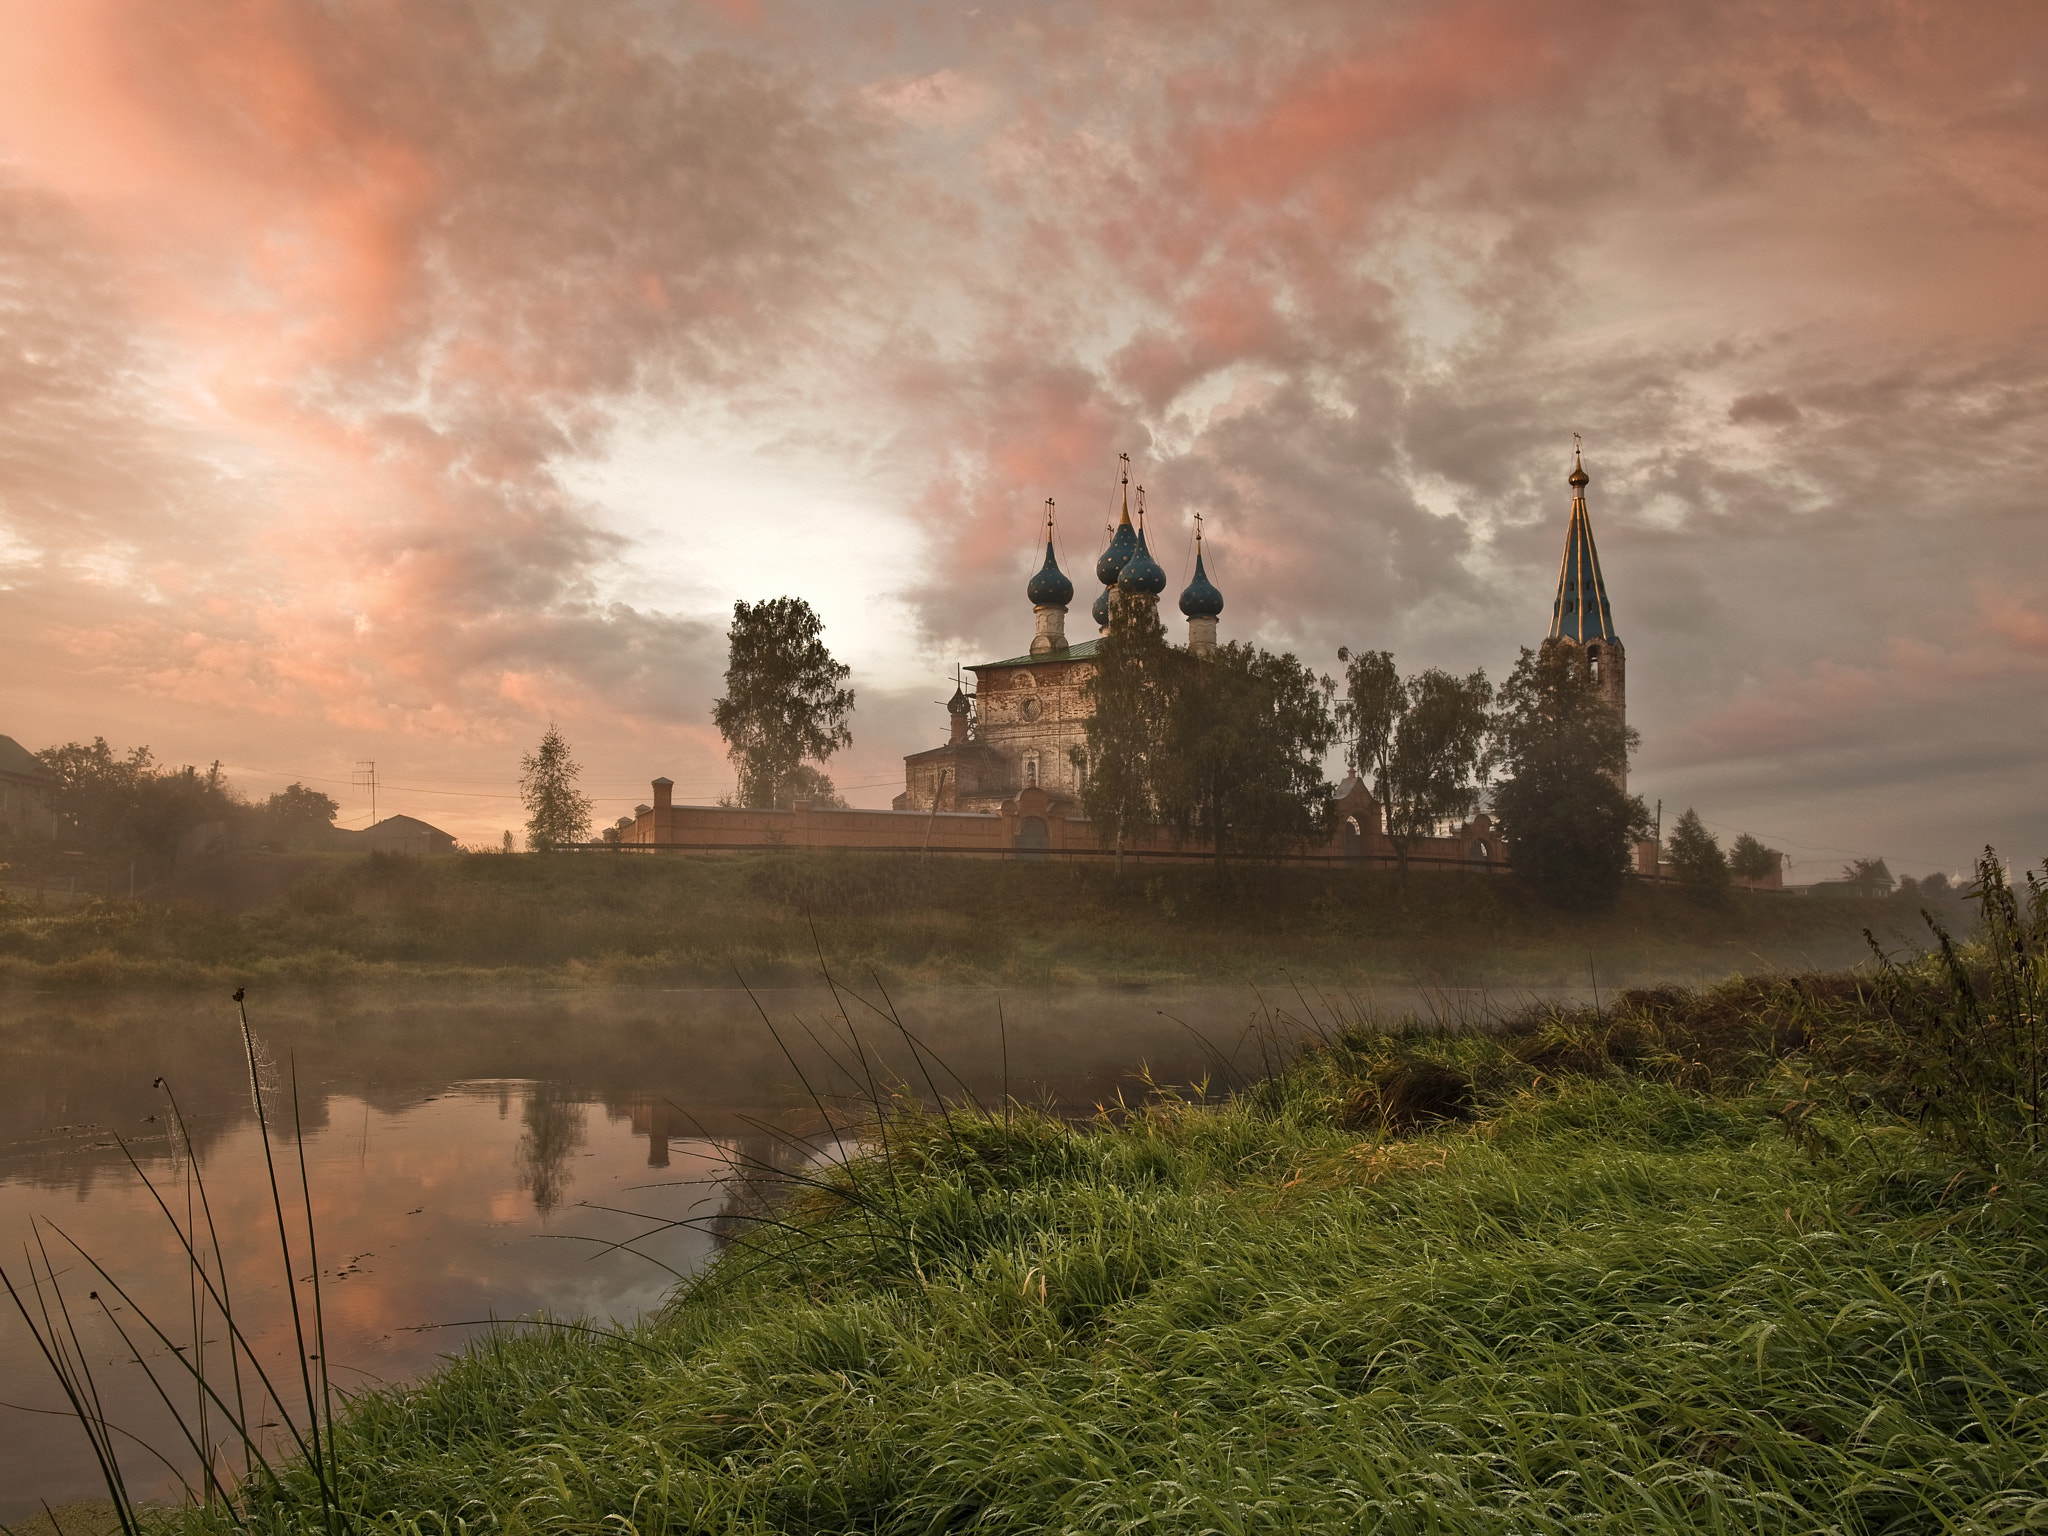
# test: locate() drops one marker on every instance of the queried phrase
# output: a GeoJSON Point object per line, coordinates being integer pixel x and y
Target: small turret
{"type": "Point", "coordinates": [1050, 592]}
{"type": "Point", "coordinates": [961, 711]}
{"type": "Point", "coordinates": [1201, 602]}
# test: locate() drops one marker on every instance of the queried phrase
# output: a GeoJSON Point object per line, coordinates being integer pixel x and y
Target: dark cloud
{"type": "Point", "coordinates": [1766, 408]}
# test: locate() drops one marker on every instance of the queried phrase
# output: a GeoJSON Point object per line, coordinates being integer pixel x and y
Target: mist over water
{"type": "Point", "coordinates": [483, 1159]}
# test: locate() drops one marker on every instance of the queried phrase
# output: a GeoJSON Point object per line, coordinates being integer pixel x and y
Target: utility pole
{"type": "Point", "coordinates": [366, 778]}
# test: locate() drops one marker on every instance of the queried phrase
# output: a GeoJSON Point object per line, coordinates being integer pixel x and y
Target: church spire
{"type": "Point", "coordinates": [1581, 611]}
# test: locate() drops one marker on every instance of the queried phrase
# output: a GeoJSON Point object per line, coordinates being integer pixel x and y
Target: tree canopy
{"type": "Point", "coordinates": [1244, 735]}
{"type": "Point", "coordinates": [1559, 750]}
{"type": "Point", "coordinates": [783, 702]}
{"type": "Point", "coordinates": [1225, 748]}
{"type": "Point", "coordinates": [1696, 858]}
{"type": "Point", "coordinates": [1420, 741]}
{"type": "Point", "coordinates": [557, 813]}
{"type": "Point", "coordinates": [296, 816]}
{"type": "Point", "coordinates": [1127, 697]}
{"type": "Point", "coordinates": [116, 806]}
{"type": "Point", "coordinates": [1749, 859]}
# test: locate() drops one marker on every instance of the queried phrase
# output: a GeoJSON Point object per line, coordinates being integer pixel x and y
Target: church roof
{"type": "Point", "coordinates": [1122, 545]}
{"type": "Point", "coordinates": [1581, 611]}
{"type": "Point", "coordinates": [1141, 573]}
{"type": "Point", "coordinates": [1201, 600]}
{"type": "Point", "coordinates": [1080, 650]}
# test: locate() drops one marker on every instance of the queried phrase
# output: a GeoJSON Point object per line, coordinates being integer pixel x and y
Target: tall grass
{"type": "Point", "coordinates": [215, 1423]}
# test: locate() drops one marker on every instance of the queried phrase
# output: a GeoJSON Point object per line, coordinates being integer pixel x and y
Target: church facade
{"type": "Point", "coordinates": [1025, 726]}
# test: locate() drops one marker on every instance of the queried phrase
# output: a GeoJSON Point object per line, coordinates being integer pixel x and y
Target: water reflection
{"type": "Point", "coordinates": [471, 1160]}
{"type": "Point", "coordinates": [554, 1132]}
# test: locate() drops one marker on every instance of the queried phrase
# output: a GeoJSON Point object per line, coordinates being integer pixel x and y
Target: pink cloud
{"type": "Point", "coordinates": [2008, 618]}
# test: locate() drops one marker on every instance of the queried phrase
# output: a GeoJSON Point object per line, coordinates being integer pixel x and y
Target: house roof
{"type": "Point", "coordinates": [19, 761]}
{"type": "Point", "coordinates": [407, 826]}
{"type": "Point", "coordinates": [1081, 650]}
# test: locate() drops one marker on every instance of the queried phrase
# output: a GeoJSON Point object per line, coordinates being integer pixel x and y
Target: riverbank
{"type": "Point", "coordinates": [1686, 1262]}
{"type": "Point", "coordinates": [622, 921]}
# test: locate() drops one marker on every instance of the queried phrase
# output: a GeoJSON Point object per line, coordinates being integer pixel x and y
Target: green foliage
{"type": "Point", "coordinates": [1225, 748]}
{"type": "Point", "coordinates": [1751, 860]}
{"type": "Point", "coordinates": [1128, 698]}
{"type": "Point", "coordinates": [1696, 858]}
{"type": "Point", "coordinates": [1560, 750]}
{"type": "Point", "coordinates": [1969, 1031]}
{"type": "Point", "coordinates": [297, 816]}
{"type": "Point", "coordinates": [812, 784]}
{"type": "Point", "coordinates": [1374, 699]}
{"type": "Point", "coordinates": [557, 813]}
{"type": "Point", "coordinates": [783, 701]}
{"type": "Point", "coordinates": [114, 808]}
{"type": "Point", "coordinates": [1240, 763]}
{"type": "Point", "coordinates": [1421, 740]}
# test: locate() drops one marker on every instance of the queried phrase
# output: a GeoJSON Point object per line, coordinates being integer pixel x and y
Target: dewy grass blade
{"type": "Point", "coordinates": [313, 1257]}
{"type": "Point", "coordinates": [312, 1444]}
{"type": "Point", "coordinates": [94, 1428]}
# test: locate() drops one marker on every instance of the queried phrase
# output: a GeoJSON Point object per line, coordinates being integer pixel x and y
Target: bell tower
{"type": "Point", "coordinates": [1580, 617]}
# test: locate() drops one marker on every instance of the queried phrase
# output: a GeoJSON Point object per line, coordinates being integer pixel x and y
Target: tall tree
{"type": "Point", "coordinates": [783, 701]}
{"type": "Point", "coordinates": [298, 815]}
{"type": "Point", "coordinates": [557, 813]}
{"type": "Point", "coordinates": [1243, 737]}
{"type": "Point", "coordinates": [1127, 697]}
{"type": "Point", "coordinates": [1749, 859]}
{"type": "Point", "coordinates": [1696, 858]}
{"type": "Point", "coordinates": [1421, 742]}
{"type": "Point", "coordinates": [1559, 750]}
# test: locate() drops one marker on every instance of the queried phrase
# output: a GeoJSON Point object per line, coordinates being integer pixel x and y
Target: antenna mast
{"type": "Point", "coordinates": [366, 778]}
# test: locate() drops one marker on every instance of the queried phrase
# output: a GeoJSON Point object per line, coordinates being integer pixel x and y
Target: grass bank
{"type": "Point", "coordinates": [618, 920]}
{"type": "Point", "coordinates": [1716, 1261]}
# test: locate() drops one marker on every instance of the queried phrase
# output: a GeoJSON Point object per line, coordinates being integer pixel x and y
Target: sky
{"type": "Point", "coordinates": [380, 381]}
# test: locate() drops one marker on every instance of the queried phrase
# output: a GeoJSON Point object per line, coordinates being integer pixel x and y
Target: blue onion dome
{"type": "Point", "coordinates": [1050, 587]}
{"type": "Point", "coordinates": [1201, 600]}
{"type": "Point", "coordinates": [1141, 573]}
{"type": "Point", "coordinates": [1122, 546]}
{"type": "Point", "coordinates": [1100, 612]}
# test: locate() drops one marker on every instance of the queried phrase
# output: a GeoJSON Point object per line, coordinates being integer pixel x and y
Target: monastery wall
{"type": "Point", "coordinates": [1032, 824]}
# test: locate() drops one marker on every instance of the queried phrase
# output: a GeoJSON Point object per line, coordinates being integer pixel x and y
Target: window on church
{"type": "Point", "coordinates": [1031, 770]}
{"type": "Point", "coordinates": [1080, 770]}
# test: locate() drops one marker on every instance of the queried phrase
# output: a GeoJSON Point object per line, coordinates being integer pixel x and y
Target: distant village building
{"type": "Point", "coordinates": [24, 799]}
{"type": "Point", "coordinates": [1870, 879]}
{"type": "Point", "coordinates": [397, 834]}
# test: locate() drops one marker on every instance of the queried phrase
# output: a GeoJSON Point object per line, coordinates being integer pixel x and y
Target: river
{"type": "Point", "coordinates": [486, 1158]}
